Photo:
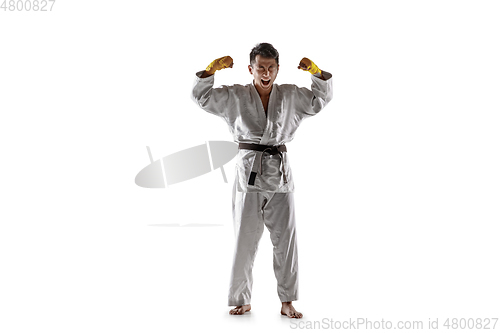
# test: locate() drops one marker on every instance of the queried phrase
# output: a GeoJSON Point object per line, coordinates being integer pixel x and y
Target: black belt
{"type": "Point", "coordinates": [271, 150]}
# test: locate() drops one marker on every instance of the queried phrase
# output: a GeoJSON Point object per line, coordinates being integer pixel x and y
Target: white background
{"type": "Point", "coordinates": [397, 182]}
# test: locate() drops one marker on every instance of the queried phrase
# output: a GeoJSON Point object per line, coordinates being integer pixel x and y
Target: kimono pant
{"type": "Point", "coordinates": [250, 212]}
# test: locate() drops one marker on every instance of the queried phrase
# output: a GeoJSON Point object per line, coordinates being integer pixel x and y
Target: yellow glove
{"type": "Point", "coordinates": [218, 64]}
{"type": "Point", "coordinates": [309, 66]}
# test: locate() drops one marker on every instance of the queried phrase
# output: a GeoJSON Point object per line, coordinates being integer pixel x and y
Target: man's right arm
{"type": "Point", "coordinates": [310, 102]}
{"type": "Point", "coordinates": [212, 100]}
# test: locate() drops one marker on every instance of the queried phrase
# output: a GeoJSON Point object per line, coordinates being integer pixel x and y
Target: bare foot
{"type": "Point", "coordinates": [241, 309]}
{"type": "Point", "coordinates": [287, 309]}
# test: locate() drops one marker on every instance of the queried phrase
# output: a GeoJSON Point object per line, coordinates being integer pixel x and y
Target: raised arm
{"type": "Point", "coordinates": [310, 102]}
{"type": "Point", "coordinates": [210, 99]}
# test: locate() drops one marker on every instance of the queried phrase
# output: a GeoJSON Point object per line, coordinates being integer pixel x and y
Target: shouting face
{"type": "Point", "coordinates": [264, 71]}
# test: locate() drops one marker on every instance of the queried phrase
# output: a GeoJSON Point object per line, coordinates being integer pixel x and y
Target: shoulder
{"type": "Point", "coordinates": [234, 87]}
{"type": "Point", "coordinates": [240, 89]}
{"type": "Point", "coordinates": [285, 89]}
{"type": "Point", "coordinates": [286, 86]}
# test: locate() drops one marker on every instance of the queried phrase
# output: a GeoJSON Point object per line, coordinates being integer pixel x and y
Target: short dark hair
{"type": "Point", "coordinates": [265, 50]}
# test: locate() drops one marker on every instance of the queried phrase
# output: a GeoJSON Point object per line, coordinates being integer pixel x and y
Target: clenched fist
{"type": "Point", "coordinates": [219, 64]}
{"type": "Point", "coordinates": [309, 66]}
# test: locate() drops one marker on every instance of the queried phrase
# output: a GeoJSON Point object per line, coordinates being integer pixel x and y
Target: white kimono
{"type": "Point", "coordinates": [269, 201]}
{"type": "Point", "coordinates": [242, 109]}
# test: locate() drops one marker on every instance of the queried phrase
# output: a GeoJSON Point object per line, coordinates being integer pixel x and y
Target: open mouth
{"type": "Point", "coordinates": [265, 83]}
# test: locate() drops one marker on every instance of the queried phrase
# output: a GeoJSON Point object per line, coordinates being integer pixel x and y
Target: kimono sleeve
{"type": "Point", "coordinates": [213, 100]}
{"type": "Point", "coordinates": [311, 101]}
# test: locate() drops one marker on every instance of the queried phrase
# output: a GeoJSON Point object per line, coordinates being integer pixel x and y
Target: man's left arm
{"type": "Point", "coordinates": [310, 102]}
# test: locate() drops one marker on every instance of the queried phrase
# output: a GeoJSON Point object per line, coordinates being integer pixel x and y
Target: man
{"type": "Point", "coordinates": [262, 117]}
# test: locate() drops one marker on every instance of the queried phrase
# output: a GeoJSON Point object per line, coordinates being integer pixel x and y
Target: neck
{"type": "Point", "coordinates": [262, 93]}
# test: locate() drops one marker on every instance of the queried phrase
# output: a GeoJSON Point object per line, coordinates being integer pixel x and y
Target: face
{"type": "Point", "coordinates": [264, 71]}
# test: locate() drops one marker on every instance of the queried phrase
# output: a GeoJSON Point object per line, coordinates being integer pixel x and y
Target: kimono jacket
{"type": "Point", "coordinates": [241, 107]}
